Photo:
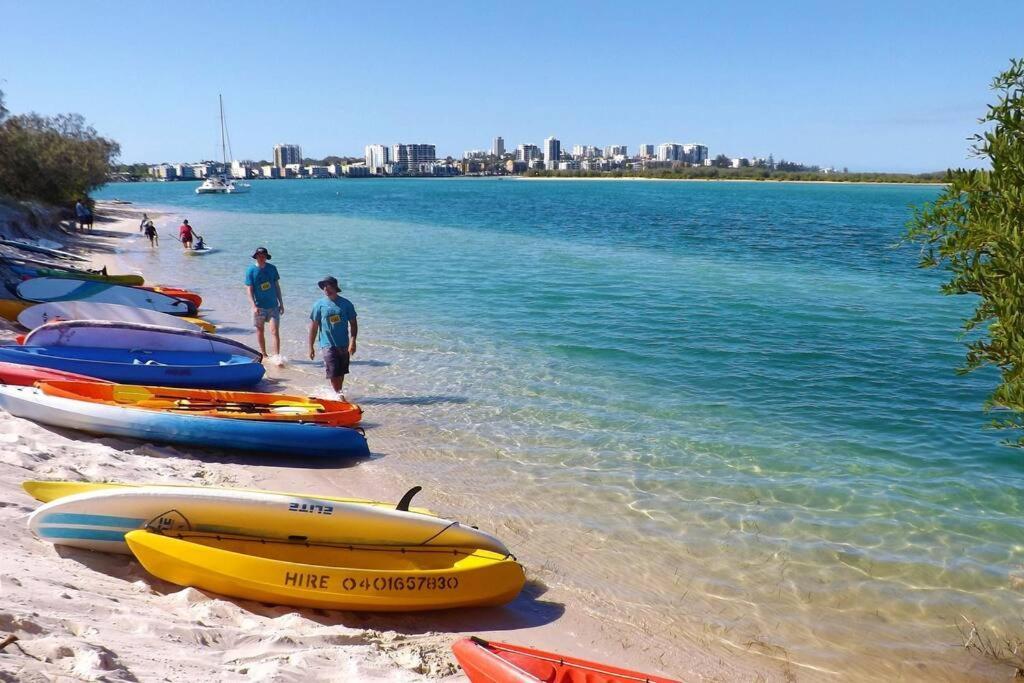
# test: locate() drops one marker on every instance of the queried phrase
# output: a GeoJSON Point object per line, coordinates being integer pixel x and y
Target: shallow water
{"type": "Point", "coordinates": [725, 413]}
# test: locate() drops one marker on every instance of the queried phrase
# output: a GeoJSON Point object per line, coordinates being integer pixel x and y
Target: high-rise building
{"type": "Point", "coordinates": [552, 152]}
{"type": "Point", "coordinates": [669, 151]}
{"type": "Point", "coordinates": [377, 158]}
{"type": "Point", "coordinates": [287, 154]}
{"type": "Point", "coordinates": [412, 155]}
{"type": "Point", "coordinates": [527, 153]}
{"type": "Point", "coordinates": [498, 148]}
{"type": "Point", "coordinates": [614, 151]}
{"type": "Point", "coordinates": [695, 154]}
{"type": "Point", "coordinates": [646, 151]}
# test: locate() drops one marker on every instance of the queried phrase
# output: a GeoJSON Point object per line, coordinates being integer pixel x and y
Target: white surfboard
{"type": "Point", "coordinates": [42, 249]}
{"type": "Point", "coordinates": [40, 314]}
{"type": "Point", "coordinates": [98, 520]}
{"type": "Point", "coordinates": [105, 334]}
{"type": "Point", "coordinates": [51, 289]}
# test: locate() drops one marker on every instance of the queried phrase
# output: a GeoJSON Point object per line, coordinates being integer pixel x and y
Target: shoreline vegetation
{"type": "Point", "coordinates": [747, 174]}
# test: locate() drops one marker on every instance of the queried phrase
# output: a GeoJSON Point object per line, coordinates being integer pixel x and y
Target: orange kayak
{"type": "Point", "coordinates": [27, 375]}
{"type": "Point", "coordinates": [485, 662]}
{"type": "Point", "coordinates": [229, 404]}
{"type": "Point", "coordinates": [177, 293]}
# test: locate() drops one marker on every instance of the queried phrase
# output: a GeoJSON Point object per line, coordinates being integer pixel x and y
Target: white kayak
{"type": "Point", "coordinates": [200, 252]}
{"type": "Point", "coordinates": [40, 314]}
{"type": "Point", "coordinates": [106, 334]}
{"type": "Point", "coordinates": [98, 520]}
{"type": "Point", "coordinates": [51, 289]}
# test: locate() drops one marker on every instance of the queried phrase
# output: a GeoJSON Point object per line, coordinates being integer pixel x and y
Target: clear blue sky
{"type": "Point", "coordinates": [871, 86]}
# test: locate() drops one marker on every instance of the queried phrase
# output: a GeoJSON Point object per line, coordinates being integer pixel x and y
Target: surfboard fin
{"type": "Point", "coordinates": [403, 504]}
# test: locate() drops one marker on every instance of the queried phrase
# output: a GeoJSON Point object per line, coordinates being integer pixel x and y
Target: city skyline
{"type": "Point", "coordinates": [828, 85]}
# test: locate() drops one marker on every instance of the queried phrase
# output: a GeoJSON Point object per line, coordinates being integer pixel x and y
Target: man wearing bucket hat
{"type": "Point", "coordinates": [263, 284]}
{"type": "Point", "coordinates": [333, 323]}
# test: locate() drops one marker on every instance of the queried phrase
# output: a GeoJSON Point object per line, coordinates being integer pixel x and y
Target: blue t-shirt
{"type": "Point", "coordinates": [263, 281]}
{"type": "Point", "coordinates": [333, 317]}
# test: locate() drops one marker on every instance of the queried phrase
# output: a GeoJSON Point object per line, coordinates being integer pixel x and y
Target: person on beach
{"type": "Point", "coordinates": [150, 232]}
{"type": "Point", "coordinates": [263, 283]}
{"type": "Point", "coordinates": [83, 215]}
{"type": "Point", "coordinates": [185, 234]}
{"type": "Point", "coordinates": [142, 223]}
{"type": "Point", "coordinates": [333, 322]}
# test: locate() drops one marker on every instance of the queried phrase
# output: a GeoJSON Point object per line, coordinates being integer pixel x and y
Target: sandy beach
{"type": "Point", "coordinates": [90, 616]}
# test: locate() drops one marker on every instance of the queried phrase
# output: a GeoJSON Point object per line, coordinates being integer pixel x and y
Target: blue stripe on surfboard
{"type": "Point", "coordinates": [91, 520]}
{"type": "Point", "coordinates": [70, 533]}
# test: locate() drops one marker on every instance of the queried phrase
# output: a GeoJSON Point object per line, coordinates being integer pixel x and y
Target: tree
{"type": "Point", "coordinates": [975, 231]}
{"type": "Point", "coordinates": [54, 159]}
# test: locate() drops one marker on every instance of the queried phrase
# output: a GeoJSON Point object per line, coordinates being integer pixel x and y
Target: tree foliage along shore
{"type": "Point", "coordinates": [54, 159]}
{"type": "Point", "coordinates": [975, 230]}
{"type": "Point", "coordinates": [746, 173]}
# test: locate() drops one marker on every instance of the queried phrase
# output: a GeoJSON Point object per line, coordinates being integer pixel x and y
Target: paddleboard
{"type": "Point", "coordinates": [98, 520]}
{"type": "Point", "coordinates": [50, 289]}
{"type": "Point", "coordinates": [106, 334]}
{"type": "Point", "coordinates": [36, 249]}
{"type": "Point", "coordinates": [40, 314]}
{"type": "Point", "coordinates": [200, 252]}
{"type": "Point", "coordinates": [45, 491]}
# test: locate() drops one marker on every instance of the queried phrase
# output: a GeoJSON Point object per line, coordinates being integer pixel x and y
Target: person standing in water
{"type": "Point", "coordinates": [150, 232]}
{"type": "Point", "coordinates": [333, 322]}
{"type": "Point", "coordinates": [263, 284]}
{"type": "Point", "coordinates": [142, 223]}
{"type": "Point", "coordinates": [185, 234]}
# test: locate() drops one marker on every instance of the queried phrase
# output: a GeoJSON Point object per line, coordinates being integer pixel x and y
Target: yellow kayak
{"type": "Point", "coordinates": [10, 308]}
{"type": "Point", "coordinates": [359, 578]}
{"type": "Point", "coordinates": [204, 325]}
{"type": "Point", "coordinates": [45, 491]}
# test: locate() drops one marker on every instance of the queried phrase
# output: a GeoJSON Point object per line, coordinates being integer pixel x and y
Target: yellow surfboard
{"type": "Point", "coordinates": [45, 491]}
{"type": "Point", "coordinates": [362, 578]}
{"type": "Point", "coordinates": [204, 325]}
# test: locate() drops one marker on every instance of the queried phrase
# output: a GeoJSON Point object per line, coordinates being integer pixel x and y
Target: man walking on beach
{"type": "Point", "coordinates": [264, 286]}
{"type": "Point", "coordinates": [185, 234]}
{"type": "Point", "coordinates": [331, 320]}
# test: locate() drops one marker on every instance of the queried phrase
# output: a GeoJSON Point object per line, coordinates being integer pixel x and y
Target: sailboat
{"type": "Point", "coordinates": [222, 184]}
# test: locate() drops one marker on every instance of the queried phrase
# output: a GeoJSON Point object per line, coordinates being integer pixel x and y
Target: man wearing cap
{"type": "Point", "coordinates": [331, 320]}
{"type": "Point", "coordinates": [264, 287]}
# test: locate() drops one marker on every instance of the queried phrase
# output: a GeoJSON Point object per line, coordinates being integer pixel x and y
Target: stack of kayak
{"type": "Point", "coordinates": [288, 549]}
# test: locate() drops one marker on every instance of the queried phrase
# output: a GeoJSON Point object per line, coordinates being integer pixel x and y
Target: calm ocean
{"type": "Point", "coordinates": [725, 412]}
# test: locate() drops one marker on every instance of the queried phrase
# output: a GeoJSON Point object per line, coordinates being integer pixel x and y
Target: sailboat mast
{"type": "Point", "coordinates": [223, 147]}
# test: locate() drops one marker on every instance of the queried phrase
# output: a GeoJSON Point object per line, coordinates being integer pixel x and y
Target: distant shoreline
{"type": "Point", "coordinates": [732, 180]}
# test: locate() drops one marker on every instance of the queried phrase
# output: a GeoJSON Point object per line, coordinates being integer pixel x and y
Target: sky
{"type": "Point", "coordinates": [881, 86]}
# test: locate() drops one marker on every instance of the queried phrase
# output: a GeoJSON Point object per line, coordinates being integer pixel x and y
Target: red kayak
{"type": "Point", "coordinates": [28, 375]}
{"type": "Point", "coordinates": [486, 662]}
{"type": "Point", "coordinates": [177, 293]}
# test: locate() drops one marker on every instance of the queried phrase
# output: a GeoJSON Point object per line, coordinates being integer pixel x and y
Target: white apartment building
{"type": "Point", "coordinates": [285, 155]}
{"type": "Point", "coordinates": [552, 152]}
{"type": "Point", "coordinates": [411, 156]}
{"type": "Point", "coordinates": [270, 171]}
{"type": "Point", "coordinates": [694, 154]}
{"type": "Point", "coordinates": [241, 169]}
{"type": "Point", "coordinates": [498, 146]}
{"type": "Point", "coordinates": [527, 153]}
{"type": "Point", "coordinates": [612, 151]}
{"type": "Point", "coordinates": [646, 151]}
{"type": "Point", "coordinates": [475, 154]}
{"type": "Point", "coordinates": [378, 158]}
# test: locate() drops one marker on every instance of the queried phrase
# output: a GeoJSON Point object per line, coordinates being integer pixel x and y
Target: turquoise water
{"type": "Point", "coordinates": [734, 404]}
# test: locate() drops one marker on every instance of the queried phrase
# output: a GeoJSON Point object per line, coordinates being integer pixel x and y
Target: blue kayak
{"type": "Point", "coordinates": [191, 369]}
{"type": "Point", "coordinates": [287, 438]}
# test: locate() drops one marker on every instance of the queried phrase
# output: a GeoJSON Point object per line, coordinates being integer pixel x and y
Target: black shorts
{"type": "Point", "coordinates": [336, 361]}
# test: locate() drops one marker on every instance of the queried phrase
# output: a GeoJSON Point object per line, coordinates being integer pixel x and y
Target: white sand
{"type": "Point", "coordinates": [88, 616]}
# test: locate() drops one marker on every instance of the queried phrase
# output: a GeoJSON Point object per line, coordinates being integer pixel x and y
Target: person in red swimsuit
{"type": "Point", "coordinates": [185, 234]}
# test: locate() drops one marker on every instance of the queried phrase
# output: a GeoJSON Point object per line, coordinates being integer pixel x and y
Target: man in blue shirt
{"type": "Point", "coordinates": [264, 287]}
{"type": "Point", "coordinates": [331, 320]}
